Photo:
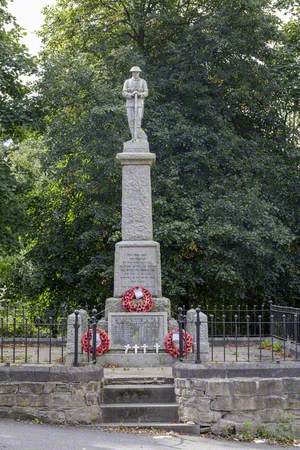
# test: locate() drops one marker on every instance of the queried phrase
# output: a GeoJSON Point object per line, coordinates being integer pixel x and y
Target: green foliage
{"type": "Point", "coordinates": [267, 344]}
{"type": "Point", "coordinates": [16, 117]}
{"type": "Point", "coordinates": [280, 433]}
{"type": "Point", "coordinates": [226, 186]}
{"type": "Point", "coordinates": [15, 63]}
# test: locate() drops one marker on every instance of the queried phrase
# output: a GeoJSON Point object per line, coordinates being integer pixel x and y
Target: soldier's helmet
{"type": "Point", "coordinates": [135, 69]}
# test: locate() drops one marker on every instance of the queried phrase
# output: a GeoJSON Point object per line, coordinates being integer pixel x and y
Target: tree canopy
{"type": "Point", "coordinates": [221, 117]}
{"type": "Point", "coordinates": [15, 63]}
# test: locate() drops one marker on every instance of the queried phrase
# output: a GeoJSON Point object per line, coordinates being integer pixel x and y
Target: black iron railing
{"type": "Point", "coordinates": [265, 333]}
{"type": "Point", "coordinates": [286, 322]}
{"type": "Point", "coordinates": [258, 334]}
{"type": "Point", "coordinates": [26, 337]}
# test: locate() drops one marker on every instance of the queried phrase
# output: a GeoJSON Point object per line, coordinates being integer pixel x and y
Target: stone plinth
{"type": "Point", "coordinates": [113, 305]}
{"type": "Point", "coordinates": [137, 329]}
{"type": "Point", "coordinates": [138, 146]}
{"type": "Point", "coordinates": [137, 263]}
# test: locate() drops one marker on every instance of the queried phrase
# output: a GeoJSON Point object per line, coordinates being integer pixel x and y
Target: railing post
{"type": "Point", "coordinates": [263, 318]}
{"type": "Point", "coordinates": [76, 328]}
{"type": "Point", "coordinates": [51, 323]}
{"type": "Point", "coordinates": [236, 336]}
{"type": "Point", "coordinates": [284, 335]}
{"type": "Point", "coordinates": [180, 324]}
{"type": "Point", "coordinates": [2, 339]}
{"type": "Point", "coordinates": [94, 331]}
{"type": "Point", "coordinates": [254, 321]}
{"type": "Point", "coordinates": [224, 336]}
{"type": "Point", "coordinates": [14, 337]}
{"type": "Point", "coordinates": [270, 313]}
{"type": "Point", "coordinates": [38, 321]}
{"type": "Point", "coordinates": [260, 336]}
{"type": "Point", "coordinates": [198, 324]}
{"type": "Point", "coordinates": [212, 335]}
{"type": "Point", "coordinates": [248, 336]}
{"type": "Point", "coordinates": [183, 317]}
{"type": "Point", "coordinates": [272, 334]}
{"type": "Point", "coordinates": [296, 335]}
{"type": "Point", "coordinates": [26, 341]}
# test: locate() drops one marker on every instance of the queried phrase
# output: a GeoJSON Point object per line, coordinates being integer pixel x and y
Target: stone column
{"type": "Point", "coordinates": [136, 196]}
{"type": "Point", "coordinates": [137, 256]}
{"type": "Point", "coordinates": [191, 328]}
{"type": "Point", "coordinates": [83, 325]}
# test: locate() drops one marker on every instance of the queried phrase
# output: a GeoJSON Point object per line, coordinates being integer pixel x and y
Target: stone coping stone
{"type": "Point", "coordinates": [136, 158]}
{"type": "Point", "coordinates": [38, 374]}
{"type": "Point", "coordinates": [237, 370]}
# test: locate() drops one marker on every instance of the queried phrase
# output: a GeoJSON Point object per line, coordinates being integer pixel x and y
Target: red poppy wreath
{"type": "Point", "coordinates": [102, 341]}
{"type": "Point", "coordinates": [137, 299]}
{"type": "Point", "coordinates": [170, 343]}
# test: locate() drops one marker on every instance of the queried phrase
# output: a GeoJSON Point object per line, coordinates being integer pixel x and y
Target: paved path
{"type": "Point", "coordinates": [27, 436]}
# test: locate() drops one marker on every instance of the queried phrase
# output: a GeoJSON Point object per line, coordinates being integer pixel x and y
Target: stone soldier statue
{"type": "Point", "coordinates": [135, 90]}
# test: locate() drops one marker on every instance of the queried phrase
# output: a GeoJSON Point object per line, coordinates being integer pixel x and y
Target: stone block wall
{"type": "Point", "coordinates": [242, 398]}
{"type": "Point", "coordinates": [51, 394]}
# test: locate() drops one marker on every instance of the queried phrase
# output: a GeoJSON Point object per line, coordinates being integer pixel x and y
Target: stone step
{"type": "Point", "coordinates": [139, 412]}
{"type": "Point", "coordinates": [185, 428]}
{"type": "Point", "coordinates": [138, 380]}
{"type": "Point", "coordinates": [139, 393]}
{"type": "Point", "coordinates": [131, 360]}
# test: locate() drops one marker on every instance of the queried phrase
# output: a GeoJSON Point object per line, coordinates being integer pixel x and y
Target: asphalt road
{"type": "Point", "coordinates": [27, 436]}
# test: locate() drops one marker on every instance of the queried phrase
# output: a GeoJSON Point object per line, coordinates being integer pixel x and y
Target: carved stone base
{"type": "Point", "coordinates": [137, 263]}
{"type": "Point", "coordinates": [161, 304]}
{"type": "Point", "coordinates": [138, 146]}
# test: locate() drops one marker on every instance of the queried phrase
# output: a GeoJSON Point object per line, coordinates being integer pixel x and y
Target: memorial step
{"type": "Point", "coordinates": [138, 397]}
{"type": "Point", "coordinates": [139, 393]}
{"type": "Point", "coordinates": [138, 380]}
{"type": "Point", "coordinates": [139, 412]}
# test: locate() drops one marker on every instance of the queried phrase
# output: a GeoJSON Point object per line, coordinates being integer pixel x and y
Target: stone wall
{"type": "Point", "coordinates": [240, 397]}
{"type": "Point", "coordinates": [51, 394]}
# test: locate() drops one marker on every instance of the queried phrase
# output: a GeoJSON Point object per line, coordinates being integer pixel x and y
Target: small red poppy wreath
{"type": "Point", "coordinates": [137, 299]}
{"type": "Point", "coordinates": [171, 340]}
{"type": "Point", "coordinates": [102, 341]}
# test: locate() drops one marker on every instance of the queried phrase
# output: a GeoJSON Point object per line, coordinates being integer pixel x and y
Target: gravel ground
{"type": "Point", "coordinates": [217, 353]}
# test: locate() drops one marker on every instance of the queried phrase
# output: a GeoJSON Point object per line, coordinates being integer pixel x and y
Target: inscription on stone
{"type": "Point", "coordinates": [137, 329]}
{"type": "Point", "coordinates": [138, 269]}
{"type": "Point", "coordinates": [137, 265]}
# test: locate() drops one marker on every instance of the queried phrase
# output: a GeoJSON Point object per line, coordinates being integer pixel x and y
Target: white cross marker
{"type": "Point", "coordinates": [136, 347]}
{"type": "Point", "coordinates": [127, 347]}
{"type": "Point", "coordinates": [156, 346]}
{"type": "Point", "coordinates": [145, 348]}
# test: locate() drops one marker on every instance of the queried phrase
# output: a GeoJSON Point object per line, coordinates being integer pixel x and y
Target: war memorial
{"type": "Point", "coordinates": [137, 337]}
{"type": "Point", "coordinates": [140, 363]}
